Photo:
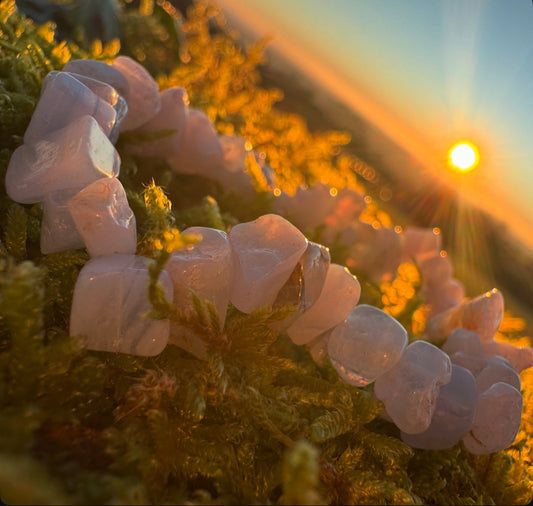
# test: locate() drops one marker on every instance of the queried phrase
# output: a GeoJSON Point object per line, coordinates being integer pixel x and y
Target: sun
{"type": "Point", "coordinates": [463, 156]}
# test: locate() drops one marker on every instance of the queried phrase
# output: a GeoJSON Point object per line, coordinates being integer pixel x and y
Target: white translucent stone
{"type": "Point", "coordinates": [520, 358]}
{"type": "Point", "coordinates": [455, 290]}
{"type": "Point", "coordinates": [484, 314]}
{"type": "Point", "coordinates": [172, 116]}
{"type": "Point", "coordinates": [365, 345]}
{"type": "Point", "coordinates": [110, 306]}
{"type": "Point", "coordinates": [63, 101]}
{"type": "Point", "coordinates": [497, 370]}
{"type": "Point", "coordinates": [420, 243]}
{"type": "Point", "coordinates": [104, 219]}
{"type": "Point", "coordinates": [200, 151]}
{"type": "Point", "coordinates": [106, 93]}
{"type": "Point", "coordinates": [438, 300]}
{"type": "Point", "coordinates": [235, 153]}
{"type": "Point", "coordinates": [58, 230]}
{"type": "Point", "coordinates": [436, 271]}
{"type": "Point", "coordinates": [265, 252]}
{"type": "Point", "coordinates": [309, 207]}
{"type": "Point", "coordinates": [143, 94]}
{"type": "Point", "coordinates": [471, 361]}
{"type": "Point", "coordinates": [440, 325]}
{"type": "Point", "coordinates": [497, 420]}
{"type": "Point", "coordinates": [376, 252]}
{"type": "Point", "coordinates": [454, 413]}
{"type": "Point", "coordinates": [349, 204]}
{"type": "Point", "coordinates": [206, 269]}
{"type": "Point", "coordinates": [410, 389]}
{"type": "Point", "coordinates": [72, 157]}
{"type": "Point", "coordinates": [318, 348]}
{"type": "Point", "coordinates": [100, 71]}
{"type": "Point", "coordinates": [462, 340]}
{"type": "Point", "coordinates": [337, 299]}
{"type": "Point", "coordinates": [305, 284]}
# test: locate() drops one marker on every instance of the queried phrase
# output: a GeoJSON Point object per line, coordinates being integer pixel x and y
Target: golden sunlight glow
{"type": "Point", "coordinates": [463, 156]}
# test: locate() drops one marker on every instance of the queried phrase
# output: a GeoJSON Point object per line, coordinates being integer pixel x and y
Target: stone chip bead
{"type": "Point", "coordinates": [410, 389]}
{"type": "Point", "coordinates": [71, 157]}
{"type": "Point", "coordinates": [100, 71]}
{"type": "Point", "coordinates": [454, 413]}
{"type": "Point", "coordinates": [206, 269]}
{"type": "Point", "coordinates": [63, 101]}
{"type": "Point", "coordinates": [200, 151]}
{"type": "Point", "coordinates": [484, 314]}
{"type": "Point", "coordinates": [497, 370]}
{"type": "Point", "coordinates": [58, 230]}
{"type": "Point", "coordinates": [104, 219]}
{"type": "Point", "coordinates": [462, 340]}
{"type": "Point", "coordinates": [265, 252]}
{"type": "Point", "coordinates": [143, 97]}
{"type": "Point", "coordinates": [496, 421]}
{"type": "Point", "coordinates": [172, 118]}
{"type": "Point", "coordinates": [110, 306]}
{"type": "Point", "coordinates": [366, 345]}
{"type": "Point", "coordinates": [420, 243]}
{"type": "Point", "coordinates": [520, 358]}
{"type": "Point", "coordinates": [337, 299]}
{"type": "Point", "coordinates": [104, 91]}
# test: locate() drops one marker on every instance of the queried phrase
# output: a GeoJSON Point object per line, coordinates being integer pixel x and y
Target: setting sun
{"type": "Point", "coordinates": [463, 156]}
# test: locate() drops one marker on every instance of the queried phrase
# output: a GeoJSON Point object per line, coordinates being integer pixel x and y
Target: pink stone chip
{"type": "Point", "coordinates": [265, 252]}
{"type": "Point", "coordinates": [104, 219]}
{"type": "Point", "coordinates": [110, 306]}
{"type": "Point", "coordinates": [496, 421]}
{"type": "Point", "coordinates": [366, 345]}
{"type": "Point", "coordinates": [143, 95]}
{"type": "Point", "coordinates": [200, 151]}
{"type": "Point", "coordinates": [420, 243]}
{"type": "Point", "coordinates": [172, 118]}
{"type": "Point", "coordinates": [63, 101]}
{"type": "Point", "coordinates": [410, 389]}
{"type": "Point", "coordinates": [72, 157]}
{"type": "Point", "coordinates": [205, 268]}
{"type": "Point", "coordinates": [484, 314]}
{"type": "Point", "coordinates": [58, 230]}
{"type": "Point", "coordinates": [520, 358]}
{"type": "Point", "coordinates": [337, 299]}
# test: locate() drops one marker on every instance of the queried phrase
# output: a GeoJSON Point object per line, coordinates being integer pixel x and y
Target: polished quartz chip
{"type": "Point", "coordinates": [484, 314]}
{"type": "Point", "coordinates": [420, 243]}
{"type": "Point", "coordinates": [63, 101]}
{"type": "Point", "coordinates": [143, 97]}
{"type": "Point", "coordinates": [366, 345]}
{"type": "Point", "coordinates": [462, 340]}
{"type": "Point", "coordinates": [265, 252]}
{"type": "Point", "coordinates": [104, 91]}
{"type": "Point", "coordinates": [309, 206]}
{"type": "Point", "coordinates": [200, 151]}
{"type": "Point", "coordinates": [497, 420]}
{"type": "Point", "coordinates": [410, 389]}
{"type": "Point", "coordinates": [375, 251]}
{"type": "Point", "coordinates": [454, 413]}
{"type": "Point", "coordinates": [58, 230]}
{"type": "Point", "coordinates": [165, 129]}
{"type": "Point", "coordinates": [471, 361]}
{"type": "Point", "coordinates": [110, 306]}
{"type": "Point", "coordinates": [349, 204]}
{"type": "Point", "coordinates": [100, 71]}
{"type": "Point", "coordinates": [336, 301]}
{"type": "Point", "coordinates": [305, 284]}
{"type": "Point", "coordinates": [205, 269]}
{"type": "Point", "coordinates": [498, 369]}
{"type": "Point", "coordinates": [520, 358]}
{"type": "Point", "coordinates": [72, 157]}
{"type": "Point", "coordinates": [104, 219]}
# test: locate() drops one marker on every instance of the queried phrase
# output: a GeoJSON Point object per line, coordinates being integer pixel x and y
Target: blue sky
{"type": "Point", "coordinates": [429, 72]}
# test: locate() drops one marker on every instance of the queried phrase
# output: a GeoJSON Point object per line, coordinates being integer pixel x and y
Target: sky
{"type": "Point", "coordinates": [428, 73]}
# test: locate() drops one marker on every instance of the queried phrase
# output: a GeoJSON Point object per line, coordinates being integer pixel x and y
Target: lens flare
{"type": "Point", "coordinates": [463, 156]}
